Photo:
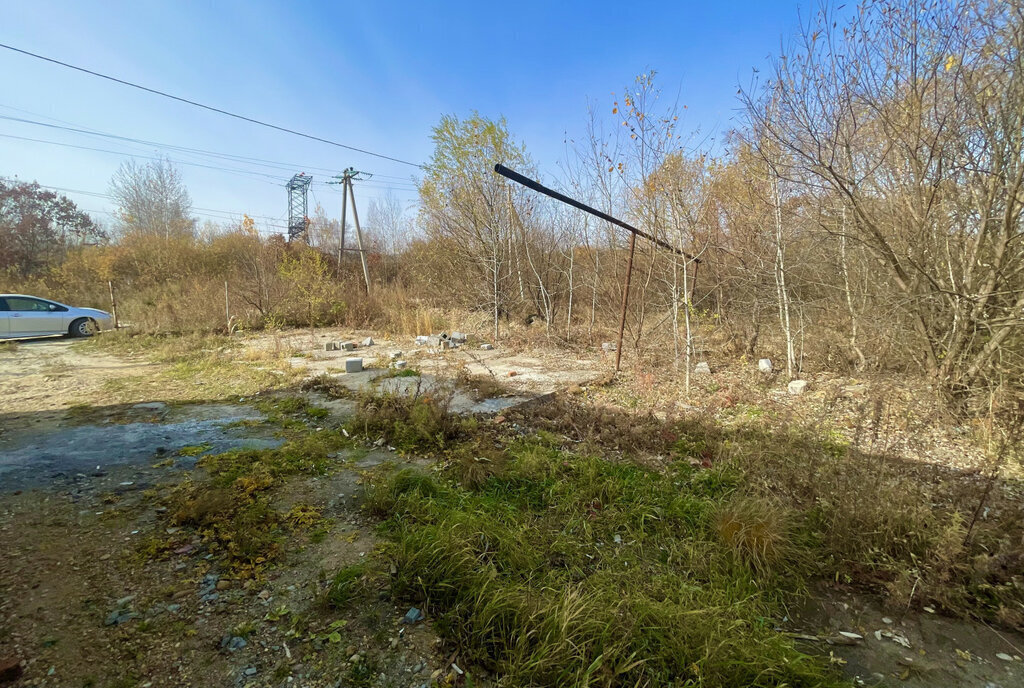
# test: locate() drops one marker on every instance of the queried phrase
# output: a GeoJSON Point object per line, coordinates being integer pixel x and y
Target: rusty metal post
{"type": "Point", "coordinates": [625, 300]}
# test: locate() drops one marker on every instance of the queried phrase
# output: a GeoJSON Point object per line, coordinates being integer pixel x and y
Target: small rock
{"type": "Point", "coordinates": [395, 355]}
{"type": "Point", "coordinates": [173, 608]}
{"type": "Point", "coordinates": [223, 584]}
{"type": "Point", "coordinates": [250, 671]}
{"type": "Point", "coordinates": [401, 364]}
{"type": "Point", "coordinates": [886, 620]}
{"type": "Point", "coordinates": [486, 347]}
{"type": "Point", "coordinates": [702, 368]}
{"type": "Point", "coordinates": [765, 365]}
{"type": "Point", "coordinates": [797, 387]}
{"type": "Point", "coordinates": [1003, 656]}
{"type": "Point", "coordinates": [608, 346]}
{"type": "Point", "coordinates": [355, 659]}
{"type": "Point", "coordinates": [412, 616]}
{"type": "Point", "coordinates": [368, 341]}
{"type": "Point", "coordinates": [237, 643]}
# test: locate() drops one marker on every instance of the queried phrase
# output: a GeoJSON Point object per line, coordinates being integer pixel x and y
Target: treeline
{"type": "Point", "coordinates": [865, 215]}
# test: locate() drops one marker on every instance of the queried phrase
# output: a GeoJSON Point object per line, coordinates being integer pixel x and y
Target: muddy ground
{"type": "Point", "coordinates": [97, 588]}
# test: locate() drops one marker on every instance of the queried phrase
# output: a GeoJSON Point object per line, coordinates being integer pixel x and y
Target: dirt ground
{"type": "Point", "coordinates": [85, 601]}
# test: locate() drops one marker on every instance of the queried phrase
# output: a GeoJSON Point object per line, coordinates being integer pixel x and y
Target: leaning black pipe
{"type": "Point", "coordinates": [537, 186]}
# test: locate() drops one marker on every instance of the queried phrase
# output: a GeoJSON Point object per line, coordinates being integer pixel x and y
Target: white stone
{"type": "Point", "coordinates": [401, 364]}
{"type": "Point", "coordinates": [486, 347]}
{"type": "Point", "coordinates": [797, 387]}
{"type": "Point", "coordinates": [459, 337]}
{"type": "Point", "coordinates": [702, 368]}
{"type": "Point", "coordinates": [422, 339]}
{"type": "Point", "coordinates": [368, 341]}
{"type": "Point", "coordinates": [395, 355]}
{"type": "Point", "coordinates": [765, 365]}
{"type": "Point", "coordinates": [608, 346]}
{"type": "Point", "coordinates": [353, 365]}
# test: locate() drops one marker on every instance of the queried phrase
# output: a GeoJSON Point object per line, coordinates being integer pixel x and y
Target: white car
{"type": "Point", "coordinates": [30, 316]}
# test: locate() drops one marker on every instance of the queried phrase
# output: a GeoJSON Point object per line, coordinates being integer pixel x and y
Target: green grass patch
{"type": "Point", "coordinates": [563, 569]}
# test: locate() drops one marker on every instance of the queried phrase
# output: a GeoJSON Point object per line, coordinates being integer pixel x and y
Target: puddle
{"type": "Point", "coordinates": [37, 458]}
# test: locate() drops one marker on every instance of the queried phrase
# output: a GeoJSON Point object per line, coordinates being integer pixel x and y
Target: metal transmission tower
{"type": "Point", "coordinates": [298, 205]}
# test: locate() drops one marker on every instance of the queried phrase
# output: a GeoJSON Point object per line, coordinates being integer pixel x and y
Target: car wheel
{"type": "Point", "coordinates": [83, 327]}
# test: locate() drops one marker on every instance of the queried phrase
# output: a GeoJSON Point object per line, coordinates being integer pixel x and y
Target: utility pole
{"type": "Point", "coordinates": [347, 191]}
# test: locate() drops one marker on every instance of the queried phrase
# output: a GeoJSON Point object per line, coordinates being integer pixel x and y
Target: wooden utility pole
{"type": "Point", "coordinates": [344, 207]}
{"type": "Point", "coordinates": [359, 233]}
{"type": "Point", "coordinates": [347, 191]}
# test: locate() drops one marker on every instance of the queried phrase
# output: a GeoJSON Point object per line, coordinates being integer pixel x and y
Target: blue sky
{"type": "Point", "coordinates": [375, 75]}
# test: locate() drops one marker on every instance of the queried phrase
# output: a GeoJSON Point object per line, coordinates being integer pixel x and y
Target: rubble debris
{"type": "Point", "coordinates": [401, 364]}
{"type": "Point", "coordinates": [796, 387]}
{"type": "Point", "coordinates": [368, 341]}
{"type": "Point", "coordinates": [412, 616]}
{"type": "Point", "coordinates": [459, 337]}
{"type": "Point", "coordinates": [348, 346]}
{"type": "Point", "coordinates": [609, 346]}
{"type": "Point", "coordinates": [486, 347]}
{"type": "Point", "coordinates": [702, 368]}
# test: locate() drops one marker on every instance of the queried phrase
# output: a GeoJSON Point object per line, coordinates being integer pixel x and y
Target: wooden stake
{"type": "Point", "coordinates": [113, 304]}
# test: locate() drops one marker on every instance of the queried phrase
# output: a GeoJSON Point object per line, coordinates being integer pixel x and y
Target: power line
{"type": "Point", "coordinates": [183, 149]}
{"type": "Point", "coordinates": [181, 162]}
{"type": "Point", "coordinates": [98, 194]}
{"type": "Point", "coordinates": [207, 107]}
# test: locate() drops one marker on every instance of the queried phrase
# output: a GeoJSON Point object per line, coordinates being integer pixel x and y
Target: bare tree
{"type": "Point", "coordinates": [152, 199]}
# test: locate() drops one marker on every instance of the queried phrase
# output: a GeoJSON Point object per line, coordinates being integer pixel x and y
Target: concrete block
{"type": "Point", "coordinates": [331, 346]}
{"type": "Point", "coordinates": [608, 346]}
{"type": "Point", "coordinates": [421, 340]}
{"type": "Point", "coordinates": [368, 341]}
{"type": "Point", "coordinates": [765, 365]}
{"type": "Point", "coordinates": [348, 346]}
{"type": "Point", "coordinates": [459, 337]}
{"type": "Point", "coordinates": [702, 368]}
{"type": "Point", "coordinates": [486, 347]}
{"type": "Point", "coordinates": [797, 387]}
{"type": "Point", "coordinates": [353, 365]}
